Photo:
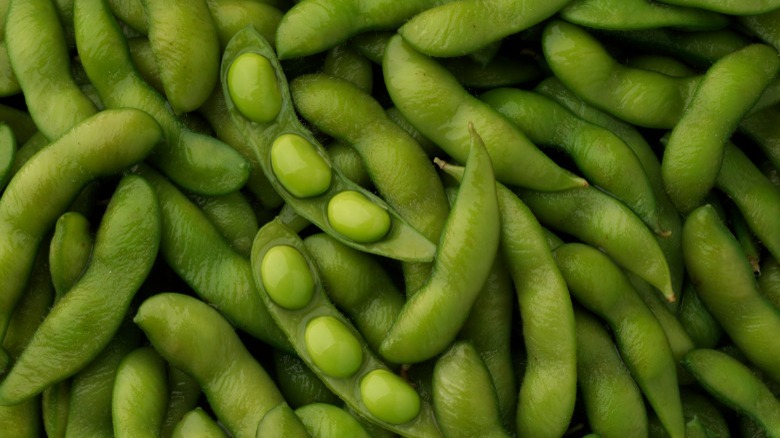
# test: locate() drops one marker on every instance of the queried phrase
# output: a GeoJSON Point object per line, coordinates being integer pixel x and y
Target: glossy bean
{"type": "Point", "coordinates": [725, 283]}
{"type": "Point", "coordinates": [195, 338]}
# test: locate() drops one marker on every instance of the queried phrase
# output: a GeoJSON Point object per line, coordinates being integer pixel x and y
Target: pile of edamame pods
{"type": "Point", "coordinates": [418, 218]}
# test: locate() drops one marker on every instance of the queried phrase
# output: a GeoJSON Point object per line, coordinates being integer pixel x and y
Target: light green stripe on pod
{"type": "Point", "coordinates": [402, 241]}
{"type": "Point", "coordinates": [286, 277]}
{"type": "Point", "coordinates": [297, 323]}
{"type": "Point", "coordinates": [252, 85]}
{"type": "Point", "coordinates": [281, 421]}
{"type": "Point", "coordinates": [195, 338]}
{"type": "Point", "coordinates": [735, 385]}
{"type": "Point", "coordinates": [322, 421]}
{"type": "Point", "coordinates": [332, 347]}
{"type": "Point", "coordinates": [197, 423]}
{"type": "Point", "coordinates": [82, 323]}
{"type": "Point", "coordinates": [464, 397]}
{"type": "Point", "coordinates": [298, 166]}
{"type": "Point", "coordinates": [389, 397]}
{"type": "Point", "coordinates": [69, 251]}
{"type": "Point", "coordinates": [140, 395]}
{"type": "Point", "coordinates": [7, 154]}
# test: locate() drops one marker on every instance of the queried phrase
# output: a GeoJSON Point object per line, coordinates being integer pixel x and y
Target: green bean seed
{"type": "Point", "coordinates": [298, 166]}
{"type": "Point", "coordinates": [356, 217]}
{"type": "Point", "coordinates": [286, 277]}
{"type": "Point", "coordinates": [389, 397]}
{"type": "Point", "coordinates": [253, 88]}
{"type": "Point", "coordinates": [332, 347]}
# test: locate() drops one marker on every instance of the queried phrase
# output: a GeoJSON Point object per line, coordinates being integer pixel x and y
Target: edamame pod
{"type": "Point", "coordinates": [313, 26]}
{"type": "Point", "coordinates": [736, 386]}
{"type": "Point", "coordinates": [639, 14]}
{"type": "Point", "coordinates": [299, 385]}
{"type": "Point", "coordinates": [7, 154]}
{"type": "Point", "coordinates": [319, 193]}
{"type": "Point", "coordinates": [694, 151]}
{"type": "Point", "coordinates": [762, 127]}
{"type": "Point", "coordinates": [464, 398]}
{"type": "Point", "coordinates": [233, 216]}
{"type": "Point", "coordinates": [195, 338]}
{"type": "Point", "coordinates": [140, 394]}
{"type": "Point", "coordinates": [604, 222]}
{"type": "Point", "coordinates": [104, 144]}
{"type": "Point", "coordinates": [346, 63]}
{"type": "Point", "coordinates": [184, 393]}
{"type": "Point", "coordinates": [769, 280]}
{"type": "Point", "coordinates": [195, 161]}
{"type": "Point", "coordinates": [41, 61]}
{"type": "Point", "coordinates": [323, 420]}
{"type": "Point", "coordinates": [464, 26]}
{"type": "Point", "coordinates": [9, 85]}
{"type": "Point", "coordinates": [431, 318]}
{"type": "Point", "coordinates": [613, 402]}
{"type": "Point", "coordinates": [725, 283]}
{"type": "Point", "coordinates": [698, 322]}
{"type": "Point", "coordinates": [83, 322]}
{"type": "Point", "coordinates": [281, 421]}
{"type": "Point", "coordinates": [601, 156]}
{"type": "Point", "coordinates": [731, 7]}
{"type": "Point", "coordinates": [69, 251]}
{"type": "Point", "coordinates": [230, 16]}
{"type": "Point", "coordinates": [764, 26]}
{"type": "Point", "coordinates": [640, 97]}
{"type": "Point", "coordinates": [193, 247]}
{"type": "Point", "coordinates": [436, 104]}
{"type": "Point", "coordinates": [198, 423]}
{"type": "Point", "coordinates": [184, 41]}
{"type": "Point", "coordinates": [599, 285]}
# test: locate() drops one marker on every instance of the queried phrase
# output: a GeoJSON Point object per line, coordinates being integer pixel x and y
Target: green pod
{"type": "Point", "coordinates": [7, 154]}
{"type": "Point", "coordinates": [198, 423]}
{"type": "Point", "coordinates": [346, 63]}
{"type": "Point", "coordinates": [322, 420]}
{"type": "Point", "coordinates": [764, 26]}
{"type": "Point", "coordinates": [281, 421]}
{"type": "Point", "coordinates": [140, 394]}
{"type": "Point", "coordinates": [143, 59]}
{"type": "Point", "coordinates": [757, 199]}
{"type": "Point", "coordinates": [430, 319]}
{"type": "Point", "coordinates": [745, 237]}
{"type": "Point", "coordinates": [183, 396]}
{"type": "Point", "coordinates": [359, 285]}
{"type": "Point", "coordinates": [733, 384]}
{"type": "Point", "coordinates": [195, 161]}
{"type": "Point", "coordinates": [401, 240]}
{"type": "Point", "coordinates": [669, 218]}
{"type": "Point", "coordinates": [705, 409]}
{"type": "Point", "coordinates": [69, 251]}
{"type": "Point", "coordinates": [613, 402]}
{"type": "Point", "coordinates": [464, 398]}
{"type": "Point", "coordinates": [464, 26]}
{"type": "Point", "coordinates": [215, 111]}
{"type": "Point", "coordinates": [230, 16]}
{"type": "Point", "coordinates": [731, 7]}
{"type": "Point", "coordinates": [398, 167]}
{"type": "Point", "coordinates": [640, 97]}
{"type": "Point", "coordinates": [20, 121]}
{"type": "Point", "coordinates": [436, 104]}
{"type": "Point", "coordinates": [299, 385]}
{"type": "Point", "coordinates": [84, 321]}
{"type": "Point", "coordinates": [9, 85]}
{"type": "Point", "coordinates": [55, 402]}
{"type": "Point", "coordinates": [196, 339]}
{"type": "Point", "coordinates": [131, 13]}
{"type": "Point", "coordinates": [372, 44]}
{"type": "Point", "coordinates": [769, 280]}
{"type": "Point", "coordinates": [89, 405]}
{"type": "Point", "coordinates": [233, 216]}
{"type": "Point", "coordinates": [667, 65]}
{"type": "Point", "coordinates": [548, 390]}
{"type": "Point", "coordinates": [600, 220]}
{"type": "Point", "coordinates": [193, 247]}
{"type": "Point", "coordinates": [762, 128]}
{"type": "Point", "coordinates": [725, 283]}
{"type": "Point", "coordinates": [349, 356]}
{"type": "Point", "coordinates": [694, 151]}
{"type": "Point", "coordinates": [599, 285]}
{"type": "Point", "coordinates": [41, 61]}
{"type": "Point", "coordinates": [346, 159]}
{"type": "Point", "coordinates": [313, 26]}
{"type": "Point", "coordinates": [639, 14]}
{"type": "Point", "coordinates": [184, 40]}
{"type": "Point", "coordinates": [42, 189]}
{"type": "Point", "coordinates": [489, 329]}
{"type": "Point", "coordinates": [697, 321]}
{"type": "Point", "coordinates": [500, 71]}
{"type": "Point", "coordinates": [602, 157]}
{"type": "Point", "coordinates": [396, 116]}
